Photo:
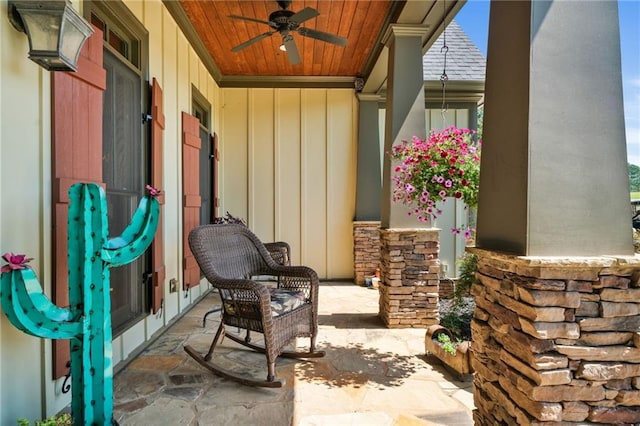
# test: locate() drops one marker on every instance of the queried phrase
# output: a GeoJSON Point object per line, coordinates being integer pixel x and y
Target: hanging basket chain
{"type": "Point", "coordinates": [444, 78]}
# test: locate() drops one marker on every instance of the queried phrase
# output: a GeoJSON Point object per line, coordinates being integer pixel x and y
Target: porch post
{"type": "Point", "coordinates": [555, 326]}
{"type": "Point", "coordinates": [405, 116]}
{"type": "Point", "coordinates": [409, 255]}
{"type": "Point", "coordinates": [366, 225]}
{"type": "Point", "coordinates": [369, 178]}
{"type": "Point", "coordinates": [554, 164]}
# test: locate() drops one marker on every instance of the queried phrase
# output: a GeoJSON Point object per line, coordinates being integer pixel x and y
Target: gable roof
{"type": "Point", "coordinates": [464, 61]}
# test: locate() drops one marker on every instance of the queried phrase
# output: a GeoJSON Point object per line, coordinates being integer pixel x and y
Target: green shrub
{"type": "Point", "coordinates": [447, 345]}
{"type": "Point", "coordinates": [468, 263]}
{"type": "Point", "coordinates": [457, 317]}
{"type": "Point", "coordinates": [58, 420]}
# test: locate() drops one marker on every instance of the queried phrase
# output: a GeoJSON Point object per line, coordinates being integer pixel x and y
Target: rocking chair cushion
{"type": "Point", "coordinates": [283, 301]}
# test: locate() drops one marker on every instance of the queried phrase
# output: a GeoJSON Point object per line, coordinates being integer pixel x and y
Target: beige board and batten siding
{"type": "Point", "coordinates": [288, 167]}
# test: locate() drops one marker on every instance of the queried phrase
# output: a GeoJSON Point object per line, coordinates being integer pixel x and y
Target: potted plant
{"type": "Point", "coordinates": [450, 340]}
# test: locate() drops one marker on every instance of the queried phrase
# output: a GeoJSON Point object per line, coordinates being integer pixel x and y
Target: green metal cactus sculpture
{"type": "Point", "coordinates": [87, 321]}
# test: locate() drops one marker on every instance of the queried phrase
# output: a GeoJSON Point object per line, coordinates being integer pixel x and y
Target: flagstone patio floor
{"type": "Point", "coordinates": [371, 375]}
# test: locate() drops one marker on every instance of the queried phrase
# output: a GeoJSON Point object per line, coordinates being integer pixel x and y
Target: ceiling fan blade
{"type": "Point", "coordinates": [322, 36]}
{"type": "Point", "coordinates": [292, 49]}
{"type": "Point", "coordinates": [251, 41]}
{"type": "Point", "coordinates": [246, 18]}
{"type": "Point", "coordinates": [304, 15]}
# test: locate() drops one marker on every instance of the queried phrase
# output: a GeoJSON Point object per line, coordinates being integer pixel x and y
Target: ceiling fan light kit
{"type": "Point", "coordinates": [285, 22]}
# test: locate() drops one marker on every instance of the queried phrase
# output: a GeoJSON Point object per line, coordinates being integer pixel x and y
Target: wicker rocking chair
{"type": "Point", "coordinates": [228, 253]}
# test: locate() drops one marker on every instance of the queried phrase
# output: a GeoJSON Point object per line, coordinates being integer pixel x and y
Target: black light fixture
{"type": "Point", "coordinates": [55, 30]}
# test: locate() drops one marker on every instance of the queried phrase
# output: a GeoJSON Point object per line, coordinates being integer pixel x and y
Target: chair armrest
{"type": "Point", "coordinates": [299, 278]}
{"type": "Point", "coordinates": [280, 251]}
{"type": "Point", "coordinates": [246, 296]}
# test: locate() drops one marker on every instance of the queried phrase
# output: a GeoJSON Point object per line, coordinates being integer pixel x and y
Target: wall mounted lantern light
{"type": "Point", "coordinates": [55, 30]}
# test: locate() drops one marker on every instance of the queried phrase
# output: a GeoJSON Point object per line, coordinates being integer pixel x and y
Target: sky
{"type": "Point", "coordinates": [474, 19]}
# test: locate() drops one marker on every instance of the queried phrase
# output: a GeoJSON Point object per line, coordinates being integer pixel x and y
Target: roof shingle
{"type": "Point", "coordinates": [464, 61]}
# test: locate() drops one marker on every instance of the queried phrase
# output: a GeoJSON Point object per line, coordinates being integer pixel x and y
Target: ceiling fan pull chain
{"type": "Point", "coordinates": [444, 78]}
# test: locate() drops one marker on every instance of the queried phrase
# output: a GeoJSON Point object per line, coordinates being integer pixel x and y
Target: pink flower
{"type": "Point", "coordinates": [153, 191]}
{"type": "Point", "coordinates": [15, 262]}
{"type": "Point", "coordinates": [445, 163]}
{"type": "Point", "coordinates": [455, 231]}
{"type": "Point", "coordinates": [468, 232]}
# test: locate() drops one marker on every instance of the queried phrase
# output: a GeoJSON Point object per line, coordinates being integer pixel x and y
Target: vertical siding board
{"type": "Point", "coordinates": [288, 169]}
{"type": "Point", "coordinates": [234, 172]}
{"type": "Point", "coordinates": [261, 129]}
{"type": "Point", "coordinates": [314, 180]}
{"type": "Point", "coordinates": [462, 118]}
{"type": "Point", "coordinates": [300, 182]}
{"type": "Point", "coordinates": [341, 183]}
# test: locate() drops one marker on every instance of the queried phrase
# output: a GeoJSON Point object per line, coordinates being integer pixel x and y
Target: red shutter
{"type": "Point", "coordinates": [191, 195]}
{"type": "Point", "coordinates": [214, 174]}
{"type": "Point", "coordinates": [76, 119]}
{"type": "Point", "coordinates": [157, 249]}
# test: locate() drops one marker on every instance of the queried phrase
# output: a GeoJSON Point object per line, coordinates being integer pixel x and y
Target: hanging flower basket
{"type": "Point", "coordinates": [446, 164]}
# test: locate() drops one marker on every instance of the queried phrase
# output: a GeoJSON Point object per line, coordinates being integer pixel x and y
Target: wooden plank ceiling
{"type": "Point", "coordinates": [359, 21]}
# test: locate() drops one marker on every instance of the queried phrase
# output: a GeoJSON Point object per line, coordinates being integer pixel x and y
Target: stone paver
{"type": "Point", "coordinates": [370, 375]}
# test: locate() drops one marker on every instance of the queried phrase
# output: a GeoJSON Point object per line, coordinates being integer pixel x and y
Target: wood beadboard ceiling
{"type": "Point", "coordinates": [361, 22]}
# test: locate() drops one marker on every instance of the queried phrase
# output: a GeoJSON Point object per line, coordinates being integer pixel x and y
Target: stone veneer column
{"type": "Point", "coordinates": [556, 339]}
{"type": "Point", "coordinates": [366, 247]}
{"type": "Point", "coordinates": [409, 277]}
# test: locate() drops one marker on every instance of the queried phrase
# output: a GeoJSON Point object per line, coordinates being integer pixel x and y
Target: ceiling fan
{"type": "Point", "coordinates": [285, 22]}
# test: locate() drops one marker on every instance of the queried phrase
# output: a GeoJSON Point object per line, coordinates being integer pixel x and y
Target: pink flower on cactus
{"type": "Point", "coordinates": [15, 262]}
{"type": "Point", "coordinates": [153, 191]}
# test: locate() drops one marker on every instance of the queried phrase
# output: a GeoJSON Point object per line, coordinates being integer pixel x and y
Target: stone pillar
{"type": "Point", "coordinates": [366, 246]}
{"type": "Point", "coordinates": [409, 277]}
{"type": "Point", "coordinates": [555, 339]}
{"type": "Point", "coordinates": [553, 178]}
